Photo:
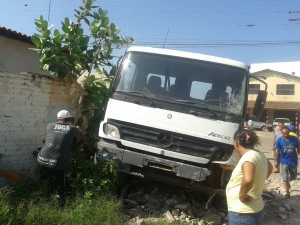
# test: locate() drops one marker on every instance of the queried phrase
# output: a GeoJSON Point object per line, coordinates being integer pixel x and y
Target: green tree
{"type": "Point", "coordinates": [85, 45]}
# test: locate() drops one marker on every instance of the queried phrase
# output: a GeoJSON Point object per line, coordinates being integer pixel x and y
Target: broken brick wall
{"type": "Point", "coordinates": [28, 103]}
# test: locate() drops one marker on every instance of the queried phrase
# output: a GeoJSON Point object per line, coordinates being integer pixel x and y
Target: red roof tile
{"type": "Point", "coordinates": [15, 35]}
{"type": "Point", "coordinates": [278, 105]}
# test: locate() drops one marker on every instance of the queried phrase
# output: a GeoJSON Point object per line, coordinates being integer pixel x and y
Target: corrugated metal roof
{"type": "Point", "coordinates": [15, 35]}
{"type": "Point", "coordinates": [278, 105]}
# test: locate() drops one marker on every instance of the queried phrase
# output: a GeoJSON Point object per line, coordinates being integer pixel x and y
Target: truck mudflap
{"type": "Point", "coordinates": [109, 150]}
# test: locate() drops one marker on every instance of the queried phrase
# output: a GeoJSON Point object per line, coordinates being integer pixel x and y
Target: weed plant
{"type": "Point", "coordinates": [90, 198]}
{"type": "Point", "coordinates": [78, 210]}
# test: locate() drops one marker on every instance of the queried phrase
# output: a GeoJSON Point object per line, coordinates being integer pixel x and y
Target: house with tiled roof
{"type": "Point", "coordinates": [283, 87]}
{"type": "Point", "coordinates": [15, 55]}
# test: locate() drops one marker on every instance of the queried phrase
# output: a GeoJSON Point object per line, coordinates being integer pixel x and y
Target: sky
{"type": "Point", "coordinates": [256, 31]}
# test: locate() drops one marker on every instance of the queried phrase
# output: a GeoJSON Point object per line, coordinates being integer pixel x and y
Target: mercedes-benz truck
{"type": "Point", "coordinates": [175, 113]}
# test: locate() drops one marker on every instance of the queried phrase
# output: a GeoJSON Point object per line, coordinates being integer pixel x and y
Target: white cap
{"type": "Point", "coordinates": [250, 123]}
{"type": "Point", "coordinates": [63, 114]}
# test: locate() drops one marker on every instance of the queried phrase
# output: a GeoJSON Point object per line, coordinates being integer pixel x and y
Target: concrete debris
{"type": "Point", "coordinates": [168, 216]}
{"type": "Point", "coordinates": [157, 202]}
{"type": "Point", "coordinates": [288, 207]}
{"type": "Point", "coordinates": [161, 201]}
{"type": "Point", "coordinates": [213, 218]}
{"type": "Point", "coordinates": [282, 216]}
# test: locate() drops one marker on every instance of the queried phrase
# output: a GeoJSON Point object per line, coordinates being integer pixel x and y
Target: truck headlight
{"type": "Point", "coordinates": [111, 130]}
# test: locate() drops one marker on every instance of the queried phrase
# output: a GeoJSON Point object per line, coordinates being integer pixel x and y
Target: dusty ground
{"type": "Point", "coordinates": [276, 207]}
{"type": "Point", "coordinates": [146, 197]}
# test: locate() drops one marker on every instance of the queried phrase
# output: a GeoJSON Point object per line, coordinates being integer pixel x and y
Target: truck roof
{"type": "Point", "coordinates": [190, 55]}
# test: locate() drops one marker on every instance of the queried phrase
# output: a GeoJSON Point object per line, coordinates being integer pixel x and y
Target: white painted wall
{"type": "Point", "coordinates": [27, 104]}
{"type": "Point", "coordinates": [272, 78]}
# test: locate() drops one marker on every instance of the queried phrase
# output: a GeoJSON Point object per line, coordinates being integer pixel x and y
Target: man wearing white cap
{"type": "Point", "coordinates": [54, 157]}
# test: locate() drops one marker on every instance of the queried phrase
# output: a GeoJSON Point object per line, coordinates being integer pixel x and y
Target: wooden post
{"type": "Point", "coordinates": [267, 121]}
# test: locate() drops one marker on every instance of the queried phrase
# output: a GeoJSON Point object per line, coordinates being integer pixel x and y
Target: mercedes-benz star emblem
{"type": "Point", "coordinates": [164, 140]}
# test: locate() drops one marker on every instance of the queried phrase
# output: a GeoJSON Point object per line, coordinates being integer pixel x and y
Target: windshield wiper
{"type": "Point", "coordinates": [185, 101]}
{"type": "Point", "coordinates": [153, 104]}
{"type": "Point", "coordinates": [203, 106]}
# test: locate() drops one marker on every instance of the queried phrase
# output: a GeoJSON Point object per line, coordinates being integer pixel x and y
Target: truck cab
{"type": "Point", "coordinates": [174, 112]}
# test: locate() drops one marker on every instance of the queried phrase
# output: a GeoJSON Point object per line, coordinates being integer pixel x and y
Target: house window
{"type": "Point", "coordinates": [254, 88]}
{"type": "Point", "coordinates": [285, 89]}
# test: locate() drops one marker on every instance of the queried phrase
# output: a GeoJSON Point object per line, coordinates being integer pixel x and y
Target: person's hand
{"type": "Point", "coordinates": [79, 129]}
{"type": "Point", "coordinates": [82, 133]}
{"type": "Point", "coordinates": [276, 167]}
{"type": "Point", "coordinates": [246, 198]}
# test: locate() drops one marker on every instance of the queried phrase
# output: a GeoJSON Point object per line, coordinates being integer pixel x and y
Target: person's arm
{"type": "Point", "coordinates": [276, 158]}
{"type": "Point", "coordinates": [270, 168]}
{"type": "Point", "coordinates": [79, 134]}
{"type": "Point", "coordinates": [276, 129]}
{"type": "Point", "coordinates": [274, 140]}
{"type": "Point", "coordinates": [277, 153]}
{"type": "Point", "coordinates": [81, 138]}
{"type": "Point", "coordinates": [248, 169]}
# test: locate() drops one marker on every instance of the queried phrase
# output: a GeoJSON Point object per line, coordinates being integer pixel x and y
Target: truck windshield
{"type": "Point", "coordinates": [173, 80]}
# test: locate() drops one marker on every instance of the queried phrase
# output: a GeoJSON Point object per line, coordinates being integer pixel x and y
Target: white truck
{"type": "Point", "coordinates": [174, 113]}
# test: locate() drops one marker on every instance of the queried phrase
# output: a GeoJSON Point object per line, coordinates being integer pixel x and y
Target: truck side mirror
{"type": "Point", "coordinates": [260, 103]}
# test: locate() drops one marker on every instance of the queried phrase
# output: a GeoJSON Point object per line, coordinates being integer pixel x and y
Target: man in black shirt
{"type": "Point", "coordinates": [54, 157]}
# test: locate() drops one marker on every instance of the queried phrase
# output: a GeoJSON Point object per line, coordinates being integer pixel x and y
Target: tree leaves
{"type": "Point", "coordinates": [96, 23]}
{"type": "Point", "coordinates": [71, 51]}
{"type": "Point", "coordinates": [44, 24]}
{"type": "Point", "coordinates": [36, 40]}
{"type": "Point", "coordinates": [56, 33]}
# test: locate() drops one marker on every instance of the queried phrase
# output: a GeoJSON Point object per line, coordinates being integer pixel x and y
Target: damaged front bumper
{"type": "Point", "coordinates": [109, 150]}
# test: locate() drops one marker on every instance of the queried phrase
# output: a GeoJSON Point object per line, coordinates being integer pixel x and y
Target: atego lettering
{"type": "Point", "coordinates": [219, 136]}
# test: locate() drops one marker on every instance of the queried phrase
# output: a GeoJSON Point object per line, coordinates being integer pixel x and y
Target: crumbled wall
{"type": "Point", "coordinates": [28, 103]}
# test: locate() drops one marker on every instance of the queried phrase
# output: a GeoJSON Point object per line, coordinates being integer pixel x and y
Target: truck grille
{"type": "Point", "coordinates": [169, 140]}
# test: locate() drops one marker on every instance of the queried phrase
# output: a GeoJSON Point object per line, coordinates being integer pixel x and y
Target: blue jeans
{"type": "Point", "coordinates": [246, 218]}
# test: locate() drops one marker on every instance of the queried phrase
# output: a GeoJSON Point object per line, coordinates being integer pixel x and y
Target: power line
{"type": "Point", "coordinates": [219, 44]}
{"type": "Point", "coordinates": [49, 10]}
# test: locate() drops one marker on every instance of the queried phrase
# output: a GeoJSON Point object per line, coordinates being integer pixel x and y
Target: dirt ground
{"type": "Point", "coordinates": [276, 207]}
